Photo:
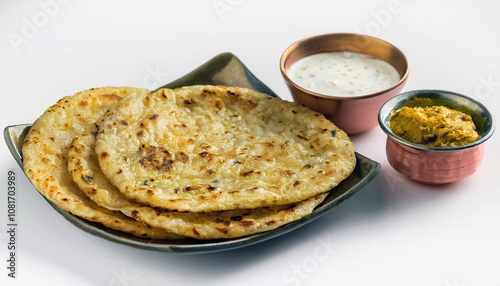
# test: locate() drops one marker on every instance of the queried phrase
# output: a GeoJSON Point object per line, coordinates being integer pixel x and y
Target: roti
{"type": "Point", "coordinates": [215, 148]}
{"type": "Point", "coordinates": [45, 153]}
{"type": "Point", "coordinates": [84, 168]}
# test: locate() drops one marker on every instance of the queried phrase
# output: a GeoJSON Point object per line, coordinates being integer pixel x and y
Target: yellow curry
{"type": "Point", "coordinates": [433, 126]}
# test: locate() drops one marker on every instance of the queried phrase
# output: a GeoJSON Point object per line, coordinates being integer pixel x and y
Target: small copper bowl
{"type": "Point", "coordinates": [351, 114]}
{"type": "Point", "coordinates": [436, 165]}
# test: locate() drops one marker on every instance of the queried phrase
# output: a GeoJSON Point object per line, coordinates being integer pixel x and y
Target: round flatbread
{"type": "Point", "coordinates": [45, 153]}
{"type": "Point", "coordinates": [212, 148]}
{"type": "Point", "coordinates": [84, 167]}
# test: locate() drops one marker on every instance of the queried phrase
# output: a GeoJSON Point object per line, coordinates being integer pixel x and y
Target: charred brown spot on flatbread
{"type": "Point", "coordinates": [157, 158]}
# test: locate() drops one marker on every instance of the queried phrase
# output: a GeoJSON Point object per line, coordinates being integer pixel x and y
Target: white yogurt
{"type": "Point", "coordinates": [343, 74]}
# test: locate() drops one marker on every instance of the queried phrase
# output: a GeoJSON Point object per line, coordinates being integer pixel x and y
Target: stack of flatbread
{"type": "Point", "coordinates": [203, 162]}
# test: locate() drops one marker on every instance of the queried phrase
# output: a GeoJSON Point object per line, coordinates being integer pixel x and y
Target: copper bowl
{"type": "Point", "coordinates": [351, 114]}
{"type": "Point", "coordinates": [437, 165]}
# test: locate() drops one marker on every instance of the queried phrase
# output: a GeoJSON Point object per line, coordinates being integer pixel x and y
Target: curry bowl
{"type": "Point", "coordinates": [437, 165]}
{"type": "Point", "coordinates": [353, 114]}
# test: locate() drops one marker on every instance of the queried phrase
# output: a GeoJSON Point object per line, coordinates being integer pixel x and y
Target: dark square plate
{"type": "Point", "coordinates": [224, 69]}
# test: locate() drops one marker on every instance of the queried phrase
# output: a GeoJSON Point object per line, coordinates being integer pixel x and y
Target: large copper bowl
{"type": "Point", "coordinates": [351, 114]}
{"type": "Point", "coordinates": [437, 165]}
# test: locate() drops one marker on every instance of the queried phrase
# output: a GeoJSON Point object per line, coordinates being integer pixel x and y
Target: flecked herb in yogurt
{"type": "Point", "coordinates": [343, 74]}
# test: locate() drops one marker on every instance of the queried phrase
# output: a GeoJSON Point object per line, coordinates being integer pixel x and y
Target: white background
{"type": "Point", "coordinates": [393, 232]}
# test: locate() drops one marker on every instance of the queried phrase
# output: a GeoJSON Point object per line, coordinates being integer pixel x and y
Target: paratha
{"type": "Point", "coordinates": [84, 167]}
{"type": "Point", "coordinates": [214, 148]}
{"type": "Point", "coordinates": [45, 151]}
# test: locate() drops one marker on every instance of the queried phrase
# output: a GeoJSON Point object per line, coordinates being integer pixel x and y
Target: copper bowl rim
{"type": "Point", "coordinates": [398, 100]}
{"type": "Point", "coordinates": [293, 46]}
